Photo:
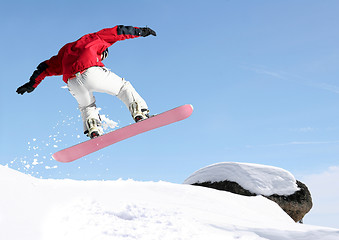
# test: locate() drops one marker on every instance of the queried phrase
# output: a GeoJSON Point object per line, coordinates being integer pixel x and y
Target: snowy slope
{"type": "Point", "coordinates": [37, 209]}
{"type": "Point", "coordinates": [257, 178]}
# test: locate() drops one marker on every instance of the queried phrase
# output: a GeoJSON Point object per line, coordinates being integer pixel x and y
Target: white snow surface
{"type": "Point", "coordinates": [47, 209]}
{"type": "Point", "coordinates": [259, 179]}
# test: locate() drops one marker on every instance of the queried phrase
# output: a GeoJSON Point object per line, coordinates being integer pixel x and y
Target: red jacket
{"type": "Point", "coordinates": [86, 52]}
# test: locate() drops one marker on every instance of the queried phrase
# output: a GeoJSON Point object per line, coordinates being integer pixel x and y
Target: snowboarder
{"type": "Point", "coordinates": [80, 63]}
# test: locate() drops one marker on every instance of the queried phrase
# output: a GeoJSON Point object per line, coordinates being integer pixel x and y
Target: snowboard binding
{"type": "Point", "coordinates": [138, 113]}
{"type": "Point", "coordinates": [94, 128]}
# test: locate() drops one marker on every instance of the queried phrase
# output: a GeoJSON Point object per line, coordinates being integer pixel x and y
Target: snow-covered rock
{"type": "Point", "coordinates": [40, 209]}
{"type": "Point", "coordinates": [248, 179]}
{"type": "Point", "coordinates": [257, 178]}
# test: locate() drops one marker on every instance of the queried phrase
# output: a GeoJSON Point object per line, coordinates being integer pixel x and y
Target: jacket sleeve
{"type": "Point", "coordinates": [49, 67]}
{"type": "Point", "coordinates": [119, 33]}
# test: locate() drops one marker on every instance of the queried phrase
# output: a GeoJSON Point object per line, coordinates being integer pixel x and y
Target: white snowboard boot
{"type": "Point", "coordinates": [94, 128]}
{"type": "Point", "coordinates": [137, 112]}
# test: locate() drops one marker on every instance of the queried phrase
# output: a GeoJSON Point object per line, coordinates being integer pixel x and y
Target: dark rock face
{"type": "Point", "coordinates": [295, 205]}
{"type": "Point", "coordinates": [227, 186]}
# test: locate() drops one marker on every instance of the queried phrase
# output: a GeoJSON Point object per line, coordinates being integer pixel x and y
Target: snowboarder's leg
{"type": "Point", "coordinates": [89, 111]}
{"type": "Point", "coordinates": [135, 103]}
{"type": "Point", "coordinates": [100, 79]}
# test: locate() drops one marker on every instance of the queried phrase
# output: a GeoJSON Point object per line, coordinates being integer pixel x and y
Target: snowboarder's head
{"type": "Point", "coordinates": [104, 54]}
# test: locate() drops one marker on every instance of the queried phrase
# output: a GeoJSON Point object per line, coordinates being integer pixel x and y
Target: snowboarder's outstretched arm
{"type": "Point", "coordinates": [121, 32]}
{"type": "Point", "coordinates": [49, 67]}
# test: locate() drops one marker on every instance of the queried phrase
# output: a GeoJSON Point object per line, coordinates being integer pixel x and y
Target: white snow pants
{"type": "Point", "coordinates": [100, 79]}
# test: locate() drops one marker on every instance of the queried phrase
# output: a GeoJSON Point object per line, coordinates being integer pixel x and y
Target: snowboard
{"type": "Point", "coordinates": [82, 149]}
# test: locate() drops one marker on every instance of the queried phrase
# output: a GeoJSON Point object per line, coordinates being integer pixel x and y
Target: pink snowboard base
{"type": "Point", "coordinates": [82, 149]}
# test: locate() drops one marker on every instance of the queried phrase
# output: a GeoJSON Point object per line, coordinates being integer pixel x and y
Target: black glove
{"type": "Point", "coordinates": [27, 87]}
{"type": "Point", "coordinates": [146, 31]}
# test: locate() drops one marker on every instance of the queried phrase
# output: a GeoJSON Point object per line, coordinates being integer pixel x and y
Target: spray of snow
{"type": "Point", "coordinates": [66, 132]}
{"type": "Point", "coordinates": [108, 123]}
{"type": "Point", "coordinates": [40, 149]}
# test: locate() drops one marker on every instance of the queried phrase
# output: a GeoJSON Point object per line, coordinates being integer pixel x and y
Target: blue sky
{"type": "Point", "coordinates": [262, 77]}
